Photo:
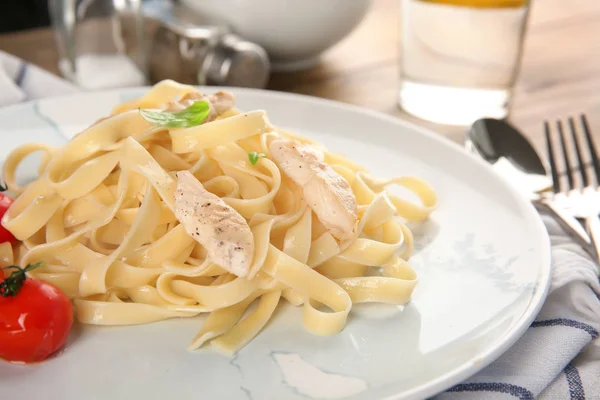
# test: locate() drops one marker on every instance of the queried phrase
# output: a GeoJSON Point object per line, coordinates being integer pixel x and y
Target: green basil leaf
{"type": "Point", "coordinates": [192, 116]}
{"type": "Point", "coordinates": [254, 157]}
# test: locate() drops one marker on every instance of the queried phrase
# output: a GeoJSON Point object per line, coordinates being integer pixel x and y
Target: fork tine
{"type": "Point", "coordinates": [551, 159]}
{"type": "Point", "coordinates": [591, 147]}
{"type": "Point", "coordinates": [566, 157]}
{"type": "Point", "coordinates": [582, 169]}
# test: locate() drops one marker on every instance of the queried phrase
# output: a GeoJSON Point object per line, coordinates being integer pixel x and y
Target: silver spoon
{"type": "Point", "coordinates": [513, 157]}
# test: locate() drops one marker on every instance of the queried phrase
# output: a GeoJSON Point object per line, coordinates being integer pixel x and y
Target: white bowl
{"type": "Point", "coordinates": [293, 32]}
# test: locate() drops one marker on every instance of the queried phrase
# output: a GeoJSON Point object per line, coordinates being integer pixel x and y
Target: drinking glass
{"type": "Point", "coordinates": [460, 58]}
{"type": "Point", "coordinates": [101, 43]}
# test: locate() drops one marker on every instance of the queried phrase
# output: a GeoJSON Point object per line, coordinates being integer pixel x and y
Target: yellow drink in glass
{"type": "Point", "coordinates": [481, 3]}
{"type": "Point", "coordinates": [460, 58]}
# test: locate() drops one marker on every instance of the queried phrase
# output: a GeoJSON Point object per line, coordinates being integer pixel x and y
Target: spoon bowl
{"type": "Point", "coordinates": [510, 154]}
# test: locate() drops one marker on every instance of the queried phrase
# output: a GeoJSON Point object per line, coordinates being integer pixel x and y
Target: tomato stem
{"type": "Point", "coordinates": [11, 285]}
{"type": "Point", "coordinates": [3, 188]}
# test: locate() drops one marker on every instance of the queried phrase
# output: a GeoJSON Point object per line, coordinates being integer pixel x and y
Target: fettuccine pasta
{"type": "Point", "coordinates": [106, 218]}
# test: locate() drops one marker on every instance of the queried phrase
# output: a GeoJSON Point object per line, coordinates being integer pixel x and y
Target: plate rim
{"type": "Point", "coordinates": [476, 362]}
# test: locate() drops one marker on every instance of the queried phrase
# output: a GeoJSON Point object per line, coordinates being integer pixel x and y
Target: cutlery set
{"type": "Point", "coordinates": [569, 194]}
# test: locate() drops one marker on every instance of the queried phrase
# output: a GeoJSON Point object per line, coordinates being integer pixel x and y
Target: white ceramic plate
{"type": "Point", "coordinates": [483, 261]}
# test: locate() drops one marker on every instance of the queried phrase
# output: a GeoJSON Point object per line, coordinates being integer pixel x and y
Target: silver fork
{"type": "Point", "coordinates": [581, 200]}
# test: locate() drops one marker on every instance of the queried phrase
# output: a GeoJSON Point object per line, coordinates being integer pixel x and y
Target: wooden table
{"type": "Point", "coordinates": [560, 74]}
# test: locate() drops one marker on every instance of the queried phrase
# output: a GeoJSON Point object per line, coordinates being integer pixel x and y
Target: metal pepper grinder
{"type": "Point", "coordinates": [205, 55]}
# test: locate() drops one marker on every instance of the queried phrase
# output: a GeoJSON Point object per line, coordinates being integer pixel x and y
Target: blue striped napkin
{"type": "Point", "coordinates": [20, 81]}
{"type": "Point", "coordinates": [559, 355]}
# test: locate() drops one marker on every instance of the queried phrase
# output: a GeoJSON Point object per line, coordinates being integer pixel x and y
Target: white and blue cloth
{"type": "Point", "coordinates": [557, 358]}
{"type": "Point", "coordinates": [20, 81]}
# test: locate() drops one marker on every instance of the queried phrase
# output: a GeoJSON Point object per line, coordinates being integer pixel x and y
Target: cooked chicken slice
{"type": "Point", "coordinates": [223, 232]}
{"type": "Point", "coordinates": [219, 103]}
{"type": "Point", "coordinates": [326, 192]}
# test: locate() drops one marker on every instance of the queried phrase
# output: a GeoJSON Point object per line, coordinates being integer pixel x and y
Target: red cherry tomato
{"type": "Point", "coordinates": [5, 202]}
{"type": "Point", "coordinates": [35, 318]}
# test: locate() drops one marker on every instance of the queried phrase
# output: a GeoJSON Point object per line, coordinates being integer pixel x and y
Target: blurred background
{"type": "Point", "coordinates": [438, 63]}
